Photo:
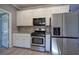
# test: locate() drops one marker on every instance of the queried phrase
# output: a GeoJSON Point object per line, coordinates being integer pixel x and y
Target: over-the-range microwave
{"type": "Point", "coordinates": [39, 21]}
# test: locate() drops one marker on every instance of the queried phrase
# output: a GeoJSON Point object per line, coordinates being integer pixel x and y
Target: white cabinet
{"type": "Point", "coordinates": [19, 18]}
{"type": "Point", "coordinates": [38, 13]}
{"type": "Point", "coordinates": [48, 42]}
{"type": "Point", "coordinates": [22, 40]}
{"type": "Point", "coordinates": [27, 41]}
{"type": "Point", "coordinates": [24, 18]}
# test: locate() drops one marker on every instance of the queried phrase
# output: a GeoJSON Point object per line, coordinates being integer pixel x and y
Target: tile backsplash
{"type": "Point", "coordinates": [29, 29]}
{"type": "Point", "coordinates": [25, 29]}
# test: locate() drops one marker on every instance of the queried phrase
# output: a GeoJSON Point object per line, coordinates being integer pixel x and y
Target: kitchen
{"type": "Point", "coordinates": [28, 27]}
{"type": "Point", "coordinates": [33, 20]}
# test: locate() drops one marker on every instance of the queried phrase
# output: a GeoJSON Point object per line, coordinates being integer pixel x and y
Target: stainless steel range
{"type": "Point", "coordinates": [38, 36]}
{"type": "Point", "coordinates": [38, 41]}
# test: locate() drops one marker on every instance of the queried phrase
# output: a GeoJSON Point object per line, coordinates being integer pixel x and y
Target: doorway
{"type": "Point", "coordinates": [4, 29]}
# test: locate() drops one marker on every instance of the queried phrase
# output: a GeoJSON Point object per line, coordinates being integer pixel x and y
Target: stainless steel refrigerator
{"type": "Point", "coordinates": [65, 34]}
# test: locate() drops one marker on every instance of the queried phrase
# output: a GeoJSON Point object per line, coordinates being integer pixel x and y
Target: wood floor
{"type": "Point", "coordinates": [20, 51]}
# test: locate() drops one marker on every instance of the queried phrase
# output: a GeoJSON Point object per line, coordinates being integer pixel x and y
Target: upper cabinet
{"type": "Point", "coordinates": [25, 17]}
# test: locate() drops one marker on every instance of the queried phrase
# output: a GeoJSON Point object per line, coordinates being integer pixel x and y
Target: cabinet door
{"type": "Point", "coordinates": [19, 18]}
{"type": "Point", "coordinates": [38, 13]}
{"type": "Point", "coordinates": [24, 18]}
{"type": "Point", "coordinates": [27, 41]}
{"type": "Point", "coordinates": [27, 18]}
{"type": "Point", "coordinates": [47, 13]}
{"type": "Point", "coordinates": [22, 40]}
{"type": "Point", "coordinates": [18, 40]}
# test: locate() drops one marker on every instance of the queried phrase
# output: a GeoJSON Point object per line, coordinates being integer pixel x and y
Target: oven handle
{"type": "Point", "coordinates": [37, 37]}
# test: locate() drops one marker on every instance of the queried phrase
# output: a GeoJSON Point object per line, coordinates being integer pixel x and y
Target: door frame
{"type": "Point", "coordinates": [10, 27]}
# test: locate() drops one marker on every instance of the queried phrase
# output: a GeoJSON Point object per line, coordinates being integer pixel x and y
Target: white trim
{"type": "Point", "coordinates": [10, 26]}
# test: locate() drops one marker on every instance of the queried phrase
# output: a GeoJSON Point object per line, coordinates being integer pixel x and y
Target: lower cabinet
{"type": "Point", "coordinates": [48, 42]}
{"type": "Point", "coordinates": [22, 40]}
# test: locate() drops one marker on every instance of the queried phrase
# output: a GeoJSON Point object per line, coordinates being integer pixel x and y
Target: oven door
{"type": "Point", "coordinates": [38, 41]}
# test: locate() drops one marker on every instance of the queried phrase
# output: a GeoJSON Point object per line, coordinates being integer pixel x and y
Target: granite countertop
{"type": "Point", "coordinates": [22, 32]}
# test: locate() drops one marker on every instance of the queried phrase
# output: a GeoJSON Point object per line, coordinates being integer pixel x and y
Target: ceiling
{"type": "Point", "coordinates": [29, 6]}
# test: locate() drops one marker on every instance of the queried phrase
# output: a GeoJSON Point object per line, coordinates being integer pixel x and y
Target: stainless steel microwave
{"type": "Point", "coordinates": [39, 21]}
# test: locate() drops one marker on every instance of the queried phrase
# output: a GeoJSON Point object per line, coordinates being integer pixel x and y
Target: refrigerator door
{"type": "Point", "coordinates": [56, 46]}
{"type": "Point", "coordinates": [70, 46]}
{"type": "Point", "coordinates": [70, 29]}
{"type": "Point", "coordinates": [56, 24]}
{"type": "Point", "coordinates": [70, 25]}
{"type": "Point", "coordinates": [65, 46]}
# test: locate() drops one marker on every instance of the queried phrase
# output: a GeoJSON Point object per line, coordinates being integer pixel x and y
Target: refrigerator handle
{"type": "Point", "coordinates": [50, 36]}
{"type": "Point", "coordinates": [65, 37]}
